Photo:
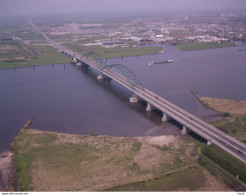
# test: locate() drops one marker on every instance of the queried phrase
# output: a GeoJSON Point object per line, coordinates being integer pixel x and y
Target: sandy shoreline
{"type": "Point", "coordinates": [5, 169]}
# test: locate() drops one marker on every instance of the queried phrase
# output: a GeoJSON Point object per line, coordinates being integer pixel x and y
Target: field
{"type": "Point", "coordinates": [17, 54]}
{"type": "Point", "coordinates": [222, 165]}
{"type": "Point", "coordinates": [234, 112]}
{"type": "Point", "coordinates": [112, 52]}
{"type": "Point", "coordinates": [192, 178]}
{"type": "Point", "coordinates": [226, 161]}
{"type": "Point", "coordinates": [19, 28]}
{"type": "Point", "coordinates": [190, 46]}
{"type": "Point", "coordinates": [48, 161]}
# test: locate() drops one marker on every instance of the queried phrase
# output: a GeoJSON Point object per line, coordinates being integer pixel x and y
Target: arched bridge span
{"type": "Point", "coordinates": [127, 73]}
{"type": "Point", "coordinates": [99, 59]}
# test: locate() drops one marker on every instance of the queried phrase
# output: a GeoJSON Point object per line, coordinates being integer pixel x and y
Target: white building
{"type": "Point", "coordinates": [135, 39]}
{"type": "Point", "coordinates": [159, 36]}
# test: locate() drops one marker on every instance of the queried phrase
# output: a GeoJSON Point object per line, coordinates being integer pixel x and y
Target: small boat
{"type": "Point", "coordinates": [162, 62]}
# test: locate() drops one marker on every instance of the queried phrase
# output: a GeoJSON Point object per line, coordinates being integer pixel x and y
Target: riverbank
{"type": "Point", "coordinates": [50, 161]}
{"type": "Point", "coordinates": [191, 46]}
{"type": "Point", "coordinates": [5, 170]}
{"type": "Point", "coordinates": [33, 55]}
{"type": "Point", "coordinates": [234, 112]}
{"type": "Point", "coordinates": [116, 52]}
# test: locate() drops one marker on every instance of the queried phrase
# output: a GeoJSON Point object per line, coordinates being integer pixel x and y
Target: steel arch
{"type": "Point", "coordinates": [128, 74]}
{"type": "Point", "coordinates": [99, 59]}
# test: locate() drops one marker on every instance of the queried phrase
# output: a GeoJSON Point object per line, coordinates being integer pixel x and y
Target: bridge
{"type": "Point", "coordinates": [125, 77]}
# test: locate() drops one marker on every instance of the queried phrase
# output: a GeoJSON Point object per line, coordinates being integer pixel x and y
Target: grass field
{"type": "Point", "coordinates": [38, 42]}
{"type": "Point", "coordinates": [226, 161]}
{"type": "Point", "coordinates": [112, 52]}
{"type": "Point", "coordinates": [190, 46]}
{"type": "Point", "coordinates": [215, 169]}
{"type": "Point", "coordinates": [189, 179]}
{"type": "Point", "coordinates": [46, 161]}
{"type": "Point", "coordinates": [20, 55]}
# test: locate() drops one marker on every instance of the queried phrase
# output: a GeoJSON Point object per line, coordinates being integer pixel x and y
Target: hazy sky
{"type": "Point", "coordinates": [17, 7]}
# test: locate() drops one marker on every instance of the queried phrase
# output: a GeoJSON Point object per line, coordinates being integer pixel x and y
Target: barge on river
{"type": "Point", "coordinates": [162, 62]}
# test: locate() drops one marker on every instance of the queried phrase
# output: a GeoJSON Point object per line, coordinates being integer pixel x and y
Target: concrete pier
{"type": "Point", "coordinates": [149, 107]}
{"type": "Point", "coordinates": [134, 98]}
{"type": "Point", "coordinates": [209, 142]}
{"type": "Point", "coordinates": [78, 63]}
{"type": "Point", "coordinates": [100, 77]}
{"type": "Point", "coordinates": [74, 59]}
{"type": "Point", "coordinates": [184, 130]}
{"type": "Point", "coordinates": [165, 118]}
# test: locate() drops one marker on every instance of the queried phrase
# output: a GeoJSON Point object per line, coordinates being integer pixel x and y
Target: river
{"type": "Point", "coordinates": [65, 98]}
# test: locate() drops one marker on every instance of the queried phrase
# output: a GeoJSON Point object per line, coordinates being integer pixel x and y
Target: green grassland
{"type": "Point", "coordinates": [38, 42]}
{"type": "Point", "coordinates": [20, 28]}
{"type": "Point", "coordinates": [113, 52]}
{"type": "Point", "coordinates": [234, 126]}
{"type": "Point", "coordinates": [189, 179]}
{"type": "Point", "coordinates": [226, 161]}
{"type": "Point", "coordinates": [20, 55]}
{"type": "Point", "coordinates": [11, 49]}
{"type": "Point", "coordinates": [222, 165]}
{"type": "Point", "coordinates": [190, 46]}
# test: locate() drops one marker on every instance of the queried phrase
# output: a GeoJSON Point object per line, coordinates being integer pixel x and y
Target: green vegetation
{"type": "Point", "coordinates": [234, 126]}
{"type": "Point", "coordinates": [226, 161]}
{"type": "Point", "coordinates": [189, 46]}
{"type": "Point", "coordinates": [190, 179]}
{"type": "Point", "coordinates": [11, 49]}
{"type": "Point", "coordinates": [19, 28]}
{"type": "Point", "coordinates": [163, 148]}
{"type": "Point", "coordinates": [215, 169]}
{"type": "Point", "coordinates": [136, 146]}
{"type": "Point", "coordinates": [38, 42]}
{"type": "Point", "coordinates": [112, 52]}
{"type": "Point", "coordinates": [49, 161]}
{"type": "Point", "coordinates": [93, 134]}
{"type": "Point", "coordinates": [29, 35]}
{"type": "Point", "coordinates": [20, 55]}
{"type": "Point", "coordinates": [22, 165]}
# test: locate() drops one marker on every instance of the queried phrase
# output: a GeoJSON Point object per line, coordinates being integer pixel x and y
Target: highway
{"type": "Point", "coordinates": [190, 121]}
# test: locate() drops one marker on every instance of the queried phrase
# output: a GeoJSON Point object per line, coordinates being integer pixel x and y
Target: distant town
{"type": "Point", "coordinates": [214, 28]}
{"type": "Point", "coordinates": [206, 29]}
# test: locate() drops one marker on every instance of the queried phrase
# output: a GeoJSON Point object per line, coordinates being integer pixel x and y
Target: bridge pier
{"type": "Point", "coordinates": [134, 98]}
{"type": "Point", "coordinates": [100, 77]}
{"type": "Point", "coordinates": [209, 142]}
{"type": "Point", "coordinates": [184, 130]}
{"type": "Point", "coordinates": [149, 107]}
{"type": "Point", "coordinates": [165, 118]}
{"type": "Point", "coordinates": [74, 59]}
{"type": "Point", "coordinates": [78, 63]}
